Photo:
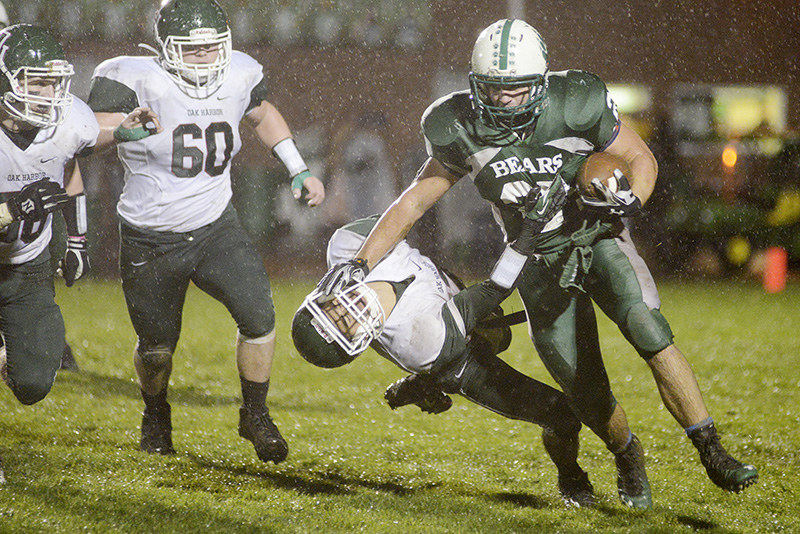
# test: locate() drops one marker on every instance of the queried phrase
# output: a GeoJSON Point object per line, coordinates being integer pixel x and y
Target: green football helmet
{"type": "Point", "coordinates": [183, 25]}
{"type": "Point", "coordinates": [315, 347]}
{"type": "Point", "coordinates": [331, 330]}
{"type": "Point", "coordinates": [509, 54]}
{"type": "Point", "coordinates": [35, 76]}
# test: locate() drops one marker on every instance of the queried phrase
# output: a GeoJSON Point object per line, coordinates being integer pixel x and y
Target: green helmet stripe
{"type": "Point", "coordinates": [504, 35]}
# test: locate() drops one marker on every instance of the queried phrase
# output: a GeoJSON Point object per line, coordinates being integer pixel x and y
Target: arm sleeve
{"type": "Point", "coordinates": [111, 96]}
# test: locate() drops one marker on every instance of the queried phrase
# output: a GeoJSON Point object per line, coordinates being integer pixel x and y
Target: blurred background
{"type": "Point", "coordinates": [713, 87]}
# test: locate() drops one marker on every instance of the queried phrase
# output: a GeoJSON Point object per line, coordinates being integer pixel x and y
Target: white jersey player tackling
{"type": "Point", "coordinates": [42, 130]}
{"type": "Point", "coordinates": [418, 317]}
{"type": "Point", "coordinates": [176, 221]}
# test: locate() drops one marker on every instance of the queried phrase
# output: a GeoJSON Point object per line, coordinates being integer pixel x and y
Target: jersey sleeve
{"type": "Point", "coordinates": [343, 246]}
{"type": "Point", "coordinates": [86, 127]}
{"type": "Point", "coordinates": [590, 110]}
{"type": "Point", "coordinates": [109, 93]}
{"type": "Point", "coordinates": [442, 131]}
{"type": "Point", "coordinates": [258, 94]}
{"type": "Point", "coordinates": [347, 240]}
{"type": "Point", "coordinates": [251, 73]}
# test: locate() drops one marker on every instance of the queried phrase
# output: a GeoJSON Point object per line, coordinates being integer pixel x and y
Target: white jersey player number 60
{"type": "Point", "coordinates": [188, 161]}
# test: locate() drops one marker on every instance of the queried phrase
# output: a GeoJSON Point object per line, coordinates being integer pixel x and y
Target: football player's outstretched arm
{"type": "Point", "coordinates": [273, 131]}
{"type": "Point", "coordinates": [630, 147]}
{"type": "Point", "coordinates": [431, 183]}
{"type": "Point", "coordinates": [118, 127]}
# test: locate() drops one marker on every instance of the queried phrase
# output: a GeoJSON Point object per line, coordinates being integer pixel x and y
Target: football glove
{"type": "Point", "coordinates": [75, 262]}
{"type": "Point", "coordinates": [342, 275]}
{"type": "Point", "coordinates": [621, 203]}
{"type": "Point", "coordinates": [538, 209]}
{"type": "Point", "coordinates": [36, 200]}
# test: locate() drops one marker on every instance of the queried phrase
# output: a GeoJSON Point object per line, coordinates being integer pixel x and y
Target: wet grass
{"type": "Point", "coordinates": [354, 465]}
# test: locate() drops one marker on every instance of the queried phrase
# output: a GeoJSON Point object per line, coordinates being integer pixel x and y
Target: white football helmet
{"type": "Point", "coordinates": [509, 54]}
{"type": "Point", "coordinates": [351, 317]}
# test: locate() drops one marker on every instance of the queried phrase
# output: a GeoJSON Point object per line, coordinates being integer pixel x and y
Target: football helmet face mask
{"type": "Point", "coordinates": [183, 27]}
{"type": "Point", "coordinates": [509, 55]}
{"type": "Point", "coordinates": [351, 317]}
{"type": "Point", "coordinates": [35, 77]}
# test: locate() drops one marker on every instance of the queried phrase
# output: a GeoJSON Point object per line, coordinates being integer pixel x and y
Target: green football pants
{"type": "Point", "coordinates": [32, 327]}
{"type": "Point", "coordinates": [219, 258]}
{"type": "Point", "coordinates": [563, 325]}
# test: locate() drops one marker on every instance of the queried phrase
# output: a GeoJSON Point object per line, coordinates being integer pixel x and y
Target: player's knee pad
{"type": "Point", "coordinates": [155, 356]}
{"type": "Point", "coordinates": [31, 388]}
{"type": "Point", "coordinates": [258, 323]}
{"type": "Point", "coordinates": [498, 337]}
{"type": "Point", "coordinates": [258, 340]}
{"type": "Point", "coordinates": [647, 330]}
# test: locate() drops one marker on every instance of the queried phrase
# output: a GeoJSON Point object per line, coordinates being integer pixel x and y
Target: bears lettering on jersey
{"type": "Point", "coordinates": [514, 165]}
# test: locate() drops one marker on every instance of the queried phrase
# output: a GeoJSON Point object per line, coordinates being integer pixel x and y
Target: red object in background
{"type": "Point", "coordinates": [775, 270]}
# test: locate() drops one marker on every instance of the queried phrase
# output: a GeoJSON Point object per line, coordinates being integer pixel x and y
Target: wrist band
{"type": "Point", "coordinates": [130, 134]}
{"type": "Point", "coordinates": [75, 215]}
{"type": "Point", "coordinates": [286, 151]}
{"type": "Point", "coordinates": [507, 269]}
{"type": "Point", "coordinates": [297, 180]}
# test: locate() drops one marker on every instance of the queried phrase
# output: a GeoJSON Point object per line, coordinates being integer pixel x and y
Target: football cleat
{"type": "Point", "coordinates": [68, 362]}
{"type": "Point", "coordinates": [260, 429]}
{"type": "Point", "coordinates": [576, 490]}
{"type": "Point", "coordinates": [723, 469]}
{"type": "Point", "coordinates": [421, 390]}
{"type": "Point", "coordinates": [2, 475]}
{"type": "Point", "coordinates": [632, 483]}
{"type": "Point", "coordinates": [157, 432]}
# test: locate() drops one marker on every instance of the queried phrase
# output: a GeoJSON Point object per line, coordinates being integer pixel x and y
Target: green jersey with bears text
{"type": "Point", "coordinates": [579, 118]}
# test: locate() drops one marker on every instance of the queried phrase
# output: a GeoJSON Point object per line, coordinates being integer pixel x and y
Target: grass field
{"type": "Point", "coordinates": [354, 465]}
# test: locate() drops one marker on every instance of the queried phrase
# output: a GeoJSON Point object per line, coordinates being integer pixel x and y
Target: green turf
{"type": "Point", "coordinates": [354, 465]}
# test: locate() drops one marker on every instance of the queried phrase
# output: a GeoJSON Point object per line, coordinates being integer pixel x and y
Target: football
{"type": "Point", "coordinates": [601, 166]}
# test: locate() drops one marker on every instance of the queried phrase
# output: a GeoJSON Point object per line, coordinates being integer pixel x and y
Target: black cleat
{"type": "Point", "coordinates": [576, 490]}
{"type": "Point", "coordinates": [723, 469]}
{"type": "Point", "coordinates": [632, 483]}
{"type": "Point", "coordinates": [259, 428]}
{"type": "Point", "coordinates": [157, 432]}
{"type": "Point", "coordinates": [68, 362]}
{"type": "Point", "coordinates": [420, 390]}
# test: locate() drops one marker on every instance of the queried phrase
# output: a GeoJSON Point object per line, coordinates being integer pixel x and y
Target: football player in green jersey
{"type": "Point", "coordinates": [521, 125]}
